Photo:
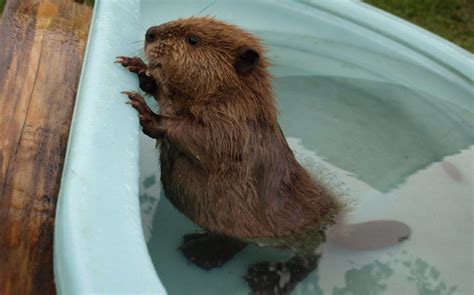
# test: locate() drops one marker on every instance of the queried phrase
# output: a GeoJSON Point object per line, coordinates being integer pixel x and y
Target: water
{"type": "Point", "coordinates": [388, 133]}
{"type": "Point", "coordinates": [380, 131]}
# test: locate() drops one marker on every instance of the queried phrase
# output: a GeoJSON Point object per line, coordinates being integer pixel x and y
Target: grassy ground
{"type": "Point", "coordinates": [2, 4]}
{"type": "Point", "coordinates": [451, 19]}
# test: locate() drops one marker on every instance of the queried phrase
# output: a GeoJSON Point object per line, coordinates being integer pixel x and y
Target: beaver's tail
{"type": "Point", "coordinates": [369, 235]}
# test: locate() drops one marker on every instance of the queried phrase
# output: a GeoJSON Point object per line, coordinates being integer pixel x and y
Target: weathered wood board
{"type": "Point", "coordinates": [42, 43]}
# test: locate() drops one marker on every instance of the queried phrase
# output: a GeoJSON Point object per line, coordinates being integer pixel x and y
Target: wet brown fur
{"type": "Point", "coordinates": [225, 162]}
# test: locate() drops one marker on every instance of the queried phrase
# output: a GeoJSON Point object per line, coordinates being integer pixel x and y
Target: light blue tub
{"type": "Point", "coordinates": [382, 109]}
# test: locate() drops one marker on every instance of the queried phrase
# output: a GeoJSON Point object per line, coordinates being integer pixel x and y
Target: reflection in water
{"type": "Point", "coordinates": [427, 278]}
{"type": "Point", "coordinates": [369, 279]}
{"type": "Point", "coordinates": [150, 185]}
{"type": "Point", "coordinates": [374, 278]}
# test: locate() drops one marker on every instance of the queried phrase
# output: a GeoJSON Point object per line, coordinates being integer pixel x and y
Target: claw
{"type": "Point", "coordinates": [149, 121]}
{"type": "Point", "coordinates": [121, 60]}
{"type": "Point", "coordinates": [134, 64]}
{"type": "Point", "coordinates": [131, 95]}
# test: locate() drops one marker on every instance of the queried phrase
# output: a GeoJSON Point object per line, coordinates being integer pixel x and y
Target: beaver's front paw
{"type": "Point", "coordinates": [136, 65]}
{"type": "Point", "coordinates": [268, 278]}
{"type": "Point", "coordinates": [152, 124]}
{"type": "Point", "coordinates": [133, 64]}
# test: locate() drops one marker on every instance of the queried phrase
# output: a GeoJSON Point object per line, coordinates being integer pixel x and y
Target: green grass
{"type": "Point", "coordinates": [451, 19]}
{"type": "Point", "coordinates": [2, 5]}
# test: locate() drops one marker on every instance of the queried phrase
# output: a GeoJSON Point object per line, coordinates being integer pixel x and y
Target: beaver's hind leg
{"type": "Point", "coordinates": [278, 278]}
{"type": "Point", "coordinates": [208, 250]}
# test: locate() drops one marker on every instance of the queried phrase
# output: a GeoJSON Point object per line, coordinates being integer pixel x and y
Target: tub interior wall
{"type": "Point", "coordinates": [388, 128]}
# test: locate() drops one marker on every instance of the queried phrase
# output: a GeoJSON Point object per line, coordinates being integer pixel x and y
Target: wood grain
{"type": "Point", "coordinates": [42, 45]}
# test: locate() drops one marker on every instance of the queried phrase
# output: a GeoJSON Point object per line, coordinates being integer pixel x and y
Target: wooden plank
{"type": "Point", "coordinates": [42, 45]}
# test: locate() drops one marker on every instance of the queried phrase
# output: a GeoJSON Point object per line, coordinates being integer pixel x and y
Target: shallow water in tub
{"type": "Point", "coordinates": [398, 144]}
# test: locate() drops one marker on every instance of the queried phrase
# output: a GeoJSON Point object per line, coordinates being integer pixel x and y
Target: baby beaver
{"type": "Point", "coordinates": [225, 162]}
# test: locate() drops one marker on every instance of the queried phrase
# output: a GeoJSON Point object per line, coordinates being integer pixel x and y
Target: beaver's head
{"type": "Point", "coordinates": [202, 56]}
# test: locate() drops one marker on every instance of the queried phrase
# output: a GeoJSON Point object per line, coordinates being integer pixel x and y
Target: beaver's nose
{"type": "Point", "coordinates": [151, 35]}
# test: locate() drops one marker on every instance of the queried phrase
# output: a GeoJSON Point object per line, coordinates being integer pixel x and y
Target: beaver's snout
{"type": "Point", "coordinates": [151, 35]}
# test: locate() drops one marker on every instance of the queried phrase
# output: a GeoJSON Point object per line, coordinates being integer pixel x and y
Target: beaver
{"type": "Point", "coordinates": [225, 162]}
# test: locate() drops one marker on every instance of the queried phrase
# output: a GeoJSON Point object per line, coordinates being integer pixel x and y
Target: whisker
{"type": "Point", "coordinates": [205, 8]}
{"type": "Point", "coordinates": [139, 25]}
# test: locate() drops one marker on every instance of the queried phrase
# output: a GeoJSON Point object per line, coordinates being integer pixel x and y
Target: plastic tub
{"type": "Point", "coordinates": [380, 107]}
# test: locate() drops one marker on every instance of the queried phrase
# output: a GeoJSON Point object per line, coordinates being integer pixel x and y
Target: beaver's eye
{"type": "Point", "coordinates": [193, 40]}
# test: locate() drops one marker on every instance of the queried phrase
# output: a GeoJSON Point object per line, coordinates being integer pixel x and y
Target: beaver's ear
{"type": "Point", "coordinates": [246, 59]}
